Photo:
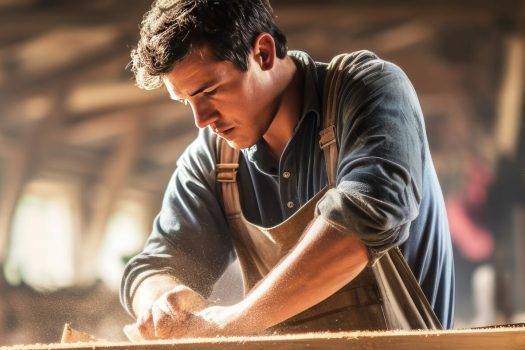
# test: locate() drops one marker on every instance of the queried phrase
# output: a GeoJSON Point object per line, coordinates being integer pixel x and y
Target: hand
{"type": "Point", "coordinates": [172, 315]}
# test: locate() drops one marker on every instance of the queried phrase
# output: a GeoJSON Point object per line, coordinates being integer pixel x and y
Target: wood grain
{"type": "Point", "coordinates": [470, 339]}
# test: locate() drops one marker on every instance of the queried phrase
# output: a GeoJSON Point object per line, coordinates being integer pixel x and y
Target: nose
{"type": "Point", "coordinates": [203, 113]}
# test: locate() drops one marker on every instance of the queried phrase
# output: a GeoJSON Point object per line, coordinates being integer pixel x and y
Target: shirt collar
{"type": "Point", "coordinates": [258, 154]}
{"type": "Point", "coordinates": [312, 86]}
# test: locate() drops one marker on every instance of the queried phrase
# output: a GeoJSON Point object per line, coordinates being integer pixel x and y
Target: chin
{"type": "Point", "coordinates": [240, 144]}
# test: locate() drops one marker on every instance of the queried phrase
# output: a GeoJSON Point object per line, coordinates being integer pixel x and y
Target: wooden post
{"type": "Point", "coordinates": [24, 163]}
{"type": "Point", "coordinates": [510, 100]}
{"type": "Point", "coordinates": [509, 129]}
{"type": "Point", "coordinates": [518, 235]}
{"type": "Point", "coordinates": [104, 198]}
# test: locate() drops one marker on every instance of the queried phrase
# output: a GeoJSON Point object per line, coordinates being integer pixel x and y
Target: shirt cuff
{"type": "Point", "coordinates": [355, 213]}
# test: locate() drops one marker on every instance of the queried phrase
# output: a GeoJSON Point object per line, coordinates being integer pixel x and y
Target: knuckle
{"type": "Point", "coordinates": [171, 297]}
{"type": "Point", "coordinates": [163, 327]}
{"type": "Point", "coordinates": [145, 330]}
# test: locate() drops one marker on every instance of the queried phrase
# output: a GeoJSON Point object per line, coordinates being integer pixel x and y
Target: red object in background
{"type": "Point", "coordinates": [465, 215]}
{"type": "Point", "coordinates": [474, 241]}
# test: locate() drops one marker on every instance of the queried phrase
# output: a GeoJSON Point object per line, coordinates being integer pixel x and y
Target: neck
{"type": "Point", "coordinates": [289, 104]}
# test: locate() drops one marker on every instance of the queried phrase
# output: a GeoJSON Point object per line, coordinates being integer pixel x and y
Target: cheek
{"type": "Point", "coordinates": [245, 105]}
{"type": "Point", "coordinates": [242, 106]}
{"type": "Point", "coordinates": [253, 89]}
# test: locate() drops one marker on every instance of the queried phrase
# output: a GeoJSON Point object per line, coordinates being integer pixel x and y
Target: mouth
{"type": "Point", "coordinates": [224, 132]}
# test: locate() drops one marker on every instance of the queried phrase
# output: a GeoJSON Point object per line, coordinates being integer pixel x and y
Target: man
{"type": "Point", "coordinates": [227, 60]}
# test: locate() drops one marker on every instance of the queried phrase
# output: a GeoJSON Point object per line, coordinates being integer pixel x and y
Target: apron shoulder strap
{"type": "Point", "coordinates": [226, 175]}
{"type": "Point", "coordinates": [327, 136]}
{"type": "Point", "coordinates": [336, 73]}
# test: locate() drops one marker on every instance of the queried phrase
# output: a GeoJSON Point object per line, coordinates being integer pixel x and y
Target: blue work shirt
{"type": "Point", "coordinates": [387, 191]}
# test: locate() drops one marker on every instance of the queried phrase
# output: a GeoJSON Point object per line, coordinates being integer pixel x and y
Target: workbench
{"type": "Point", "coordinates": [508, 338]}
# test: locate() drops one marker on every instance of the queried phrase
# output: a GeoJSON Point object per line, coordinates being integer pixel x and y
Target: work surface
{"type": "Point", "coordinates": [492, 338]}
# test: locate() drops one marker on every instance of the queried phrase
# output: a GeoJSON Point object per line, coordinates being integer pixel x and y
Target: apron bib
{"type": "Point", "coordinates": [384, 296]}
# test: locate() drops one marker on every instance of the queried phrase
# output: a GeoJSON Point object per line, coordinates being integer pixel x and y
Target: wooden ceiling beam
{"type": "Point", "coordinates": [97, 128]}
{"type": "Point", "coordinates": [23, 87]}
{"type": "Point", "coordinates": [167, 152]}
{"type": "Point", "coordinates": [358, 14]}
{"type": "Point", "coordinates": [100, 126]}
{"type": "Point", "coordinates": [75, 165]}
{"type": "Point", "coordinates": [74, 14]}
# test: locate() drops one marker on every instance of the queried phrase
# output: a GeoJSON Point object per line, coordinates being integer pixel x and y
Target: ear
{"type": "Point", "coordinates": [264, 51]}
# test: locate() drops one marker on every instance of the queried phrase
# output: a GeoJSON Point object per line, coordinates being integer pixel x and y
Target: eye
{"type": "Point", "coordinates": [210, 93]}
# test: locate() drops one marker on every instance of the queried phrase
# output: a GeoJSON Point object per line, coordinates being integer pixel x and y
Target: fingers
{"type": "Point", "coordinates": [171, 315]}
{"type": "Point", "coordinates": [145, 325]}
{"type": "Point", "coordinates": [163, 321]}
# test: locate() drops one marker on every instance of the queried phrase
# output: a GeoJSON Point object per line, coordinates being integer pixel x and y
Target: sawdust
{"type": "Point", "coordinates": [510, 338]}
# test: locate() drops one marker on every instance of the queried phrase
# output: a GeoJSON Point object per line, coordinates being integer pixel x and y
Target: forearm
{"type": "Point", "coordinates": [321, 263]}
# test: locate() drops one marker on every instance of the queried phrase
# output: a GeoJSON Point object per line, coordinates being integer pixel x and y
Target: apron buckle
{"type": "Point", "coordinates": [327, 136]}
{"type": "Point", "coordinates": [227, 172]}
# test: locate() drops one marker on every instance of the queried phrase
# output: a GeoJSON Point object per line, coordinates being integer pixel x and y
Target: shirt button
{"type": "Point", "coordinates": [290, 204]}
{"type": "Point", "coordinates": [286, 174]}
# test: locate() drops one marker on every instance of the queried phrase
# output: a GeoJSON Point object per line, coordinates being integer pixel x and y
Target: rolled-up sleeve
{"type": "Point", "coordinates": [189, 239]}
{"type": "Point", "coordinates": [381, 139]}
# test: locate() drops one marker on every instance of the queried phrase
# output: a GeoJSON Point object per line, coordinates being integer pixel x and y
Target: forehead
{"type": "Point", "coordinates": [197, 68]}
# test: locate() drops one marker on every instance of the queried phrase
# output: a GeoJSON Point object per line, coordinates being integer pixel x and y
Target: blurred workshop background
{"type": "Point", "coordinates": [85, 155]}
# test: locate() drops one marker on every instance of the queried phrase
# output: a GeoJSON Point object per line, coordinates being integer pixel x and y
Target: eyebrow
{"type": "Point", "coordinates": [204, 87]}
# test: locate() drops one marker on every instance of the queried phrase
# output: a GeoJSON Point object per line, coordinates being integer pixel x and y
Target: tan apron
{"type": "Point", "coordinates": [384, 296]}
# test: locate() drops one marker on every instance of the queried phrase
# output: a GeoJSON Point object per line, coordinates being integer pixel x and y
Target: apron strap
{"type": "Point", "coordinates": [328, 136]}
{"type": "Point", "coordinates": [226, 173]}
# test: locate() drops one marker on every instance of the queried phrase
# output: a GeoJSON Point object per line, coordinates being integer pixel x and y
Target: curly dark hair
{"type": "Point", "coordinates": [172, 27]}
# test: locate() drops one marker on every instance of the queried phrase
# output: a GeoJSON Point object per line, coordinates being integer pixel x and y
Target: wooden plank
{"type": "Point", "coordinates": [70, 335]}
{"type": "Point", "coordinates": [469, 339]}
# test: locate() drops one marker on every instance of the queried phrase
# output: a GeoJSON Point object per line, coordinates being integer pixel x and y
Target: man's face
{"type": "Point", "coordinates": [238, 106]}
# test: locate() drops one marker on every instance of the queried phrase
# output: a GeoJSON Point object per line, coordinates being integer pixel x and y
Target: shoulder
{"type": "Point", "coordinates": [366, 67]}
{"type": "Point", "coordinates": [200, 156]}
{"type": "Point", "coordinates": [366, 79]}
